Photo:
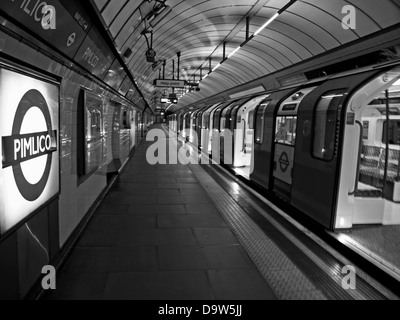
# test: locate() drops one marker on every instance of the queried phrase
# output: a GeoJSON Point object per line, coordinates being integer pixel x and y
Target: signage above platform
{"type": "Point", "coordinates": [169, 83]}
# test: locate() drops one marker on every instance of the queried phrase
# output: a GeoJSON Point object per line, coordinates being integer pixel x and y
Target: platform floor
{"type": "Point", "coordinates": [158, 236]}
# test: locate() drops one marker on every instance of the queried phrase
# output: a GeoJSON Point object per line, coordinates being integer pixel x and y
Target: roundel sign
{"type": "Point", "coordinates": [29, 172]}
{"type": "Point", "coordinates": [284, 161]}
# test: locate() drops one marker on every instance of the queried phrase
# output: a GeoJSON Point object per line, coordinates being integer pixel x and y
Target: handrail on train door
{"type": "Point", "coordinates": [398, 166]}
{"type": "Point", "coordinates": [244, 136]}
{"type": "Point", "coordinates": [385, 173]}
{"type": "Point", "coordinates": [359, 157]}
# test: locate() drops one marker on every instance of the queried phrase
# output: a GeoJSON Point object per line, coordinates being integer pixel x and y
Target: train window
{"type": "Point", "coordinates": [325, 124]}
{"type": "Point", "coordinates": [394, 132]}
{"type": "Point", "coordinates": [223, 121]}
{"type": "Point", "coordinates": [286, 130]}
{"type": "Point", "coordinates": [206, 123]}
{"type": "Point", "coordinates": [233, 117]}
{"type": "Point", "coordinates": [259, 123]}
{"type": "Point", "coordinates": [216, 119]}
{"type": "Point", "coordinates": [365, 130]}
{"type": "Point", "coordinates": [187, 124]}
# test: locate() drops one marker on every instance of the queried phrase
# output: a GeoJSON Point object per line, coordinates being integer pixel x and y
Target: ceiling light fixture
{"type": "Point", "coordinates": [216, 67]}
{"type": "Point", "coordinates": [234, 51]}
{"type": "Point", "coordinates": [276, 15]}
{"type": "Point", "coordinates": [160, 16]}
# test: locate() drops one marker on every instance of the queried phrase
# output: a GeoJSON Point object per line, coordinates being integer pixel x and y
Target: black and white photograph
{"type": "Point", "coordinates": [200, 158]}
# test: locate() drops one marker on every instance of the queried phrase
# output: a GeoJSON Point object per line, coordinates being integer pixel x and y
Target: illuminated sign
{"type": "Point", "coordinates": [29, 125]}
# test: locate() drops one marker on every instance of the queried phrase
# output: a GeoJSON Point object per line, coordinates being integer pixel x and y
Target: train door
{"type": "Point", "coordinates": [174, 119]}
{"type": "Point", "coordinates": [322, 119]}
{"type": "Point", "coordinates": [179, 123]}
{"type": "Point", "coordinates": [192, 130]}
{"type": "Point", "coordinates": [285, 142]}
{"type": "Point", "coordinates": [226, 136]}
{"type": "Point", "coordinates": [264, 133]}
{"type": "Point", "coordinates": [185, 125]}
{"type": "Point", "coordinates": [233, 128]}
{"type": "Point", "coordinates": [200, 126]}
{"type": "Point", "coordinates": [214, 143]}
{"type": "Point", "coordinates": [244, 136]}
{"type": "Point", "coordinates": [370, 183]}
{"type": "Point", "coordinates": [208, 118]}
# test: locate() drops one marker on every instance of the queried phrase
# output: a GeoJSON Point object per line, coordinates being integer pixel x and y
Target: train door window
{"type": "Point", "coordinates": [199, 119]}
{"type": "Point", "coordinates": [194, 121]}
{"type": "Point", "coordinates": [233, 119]}
{"type": "Point", "coordinates": [394, 132]}
{"type": "Point", "coordinates": [188, 118]}
{"type": "Point", "coordinates": [223, 122]}
{"type": "Point", "coordinates": [259, 123]}
{"type": "Point", "coordinates": [206, 123]}
{"type": "Point", "coordinates": [251, 119]}
{"type": "Point", "coordinates": [326, 124]}
{"type": "Point", "coordinates": [216, 119]}
{"type": "Point", "coordinates": [225, 119]}
{"type": "Point", "coordinates": [286, 130]}
{"type": "Point", "coordinates": [365, 130]}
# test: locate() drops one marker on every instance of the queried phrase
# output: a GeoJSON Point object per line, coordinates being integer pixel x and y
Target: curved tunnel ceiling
{"type": "Point", "coordinates": [198, 29]}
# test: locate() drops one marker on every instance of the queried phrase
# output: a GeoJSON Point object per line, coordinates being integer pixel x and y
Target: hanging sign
{"type": "Point", "coordinates": [169, 83]}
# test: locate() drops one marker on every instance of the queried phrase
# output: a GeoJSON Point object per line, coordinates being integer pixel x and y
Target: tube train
{"type": "Point", "coordinates": [329, 147]}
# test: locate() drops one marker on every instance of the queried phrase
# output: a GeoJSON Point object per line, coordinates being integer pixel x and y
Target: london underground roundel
{"type": "Point", "coordinates": [29, 172]}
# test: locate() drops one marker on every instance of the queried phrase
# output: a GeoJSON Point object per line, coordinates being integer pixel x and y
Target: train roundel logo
{"type": "Point", "coordinates": [284, 161]}
{"type": "Point", "coordinates": [23, 147]}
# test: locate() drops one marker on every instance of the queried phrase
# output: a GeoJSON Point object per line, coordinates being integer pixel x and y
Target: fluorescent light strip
{"type": "Point", "coordinates": [216, 67]}
{"type": "Point", "coordinates": [276, 15]}
{"type": "Point", "coordinates": [234, 51]}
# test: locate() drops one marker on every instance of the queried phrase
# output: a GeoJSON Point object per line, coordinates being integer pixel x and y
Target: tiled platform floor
{"type": "Point", "coordinates": [157, 236]}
